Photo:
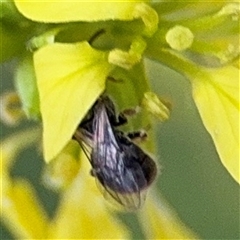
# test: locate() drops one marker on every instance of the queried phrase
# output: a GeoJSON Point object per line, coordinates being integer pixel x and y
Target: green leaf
{"type": "Point", "coordinates": [216, 94]}
{"type": "Point", "coordinates": [70, 78]}
{"type": "Point", "coordinates": [25, 81]}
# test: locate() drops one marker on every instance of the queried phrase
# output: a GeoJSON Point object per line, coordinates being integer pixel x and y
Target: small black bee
{"type": "Point", "coordinates": [123, 169]}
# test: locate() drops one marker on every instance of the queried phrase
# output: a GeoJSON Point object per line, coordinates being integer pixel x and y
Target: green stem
{"type": "Point", "coordinates": [173, 60]}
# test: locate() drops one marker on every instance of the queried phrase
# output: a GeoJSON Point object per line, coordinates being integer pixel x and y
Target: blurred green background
{"type": "Point", "coordinates": [193, 180]}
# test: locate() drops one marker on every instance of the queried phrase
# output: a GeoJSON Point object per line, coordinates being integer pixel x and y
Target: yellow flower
{"type": "Point", "coordinates": [216, 94]}
{"type": "Point", "coordinates": [66, 11]}
{"type": "Point", "coordinates": [70, 78]}
{"type": "Point", "coordinates": [81, 213]}
{"type": "Point", "coordinates": [22, 213]}
{"type": "Point", "coordinates": [160, 222]}
{"type": "Point", "coordinates": [20, 209]}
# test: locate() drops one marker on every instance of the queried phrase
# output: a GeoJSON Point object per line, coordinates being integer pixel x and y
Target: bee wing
{"type": "Point", "coordinates": [105, 146]}
{"type": "Point", "coordinates": [84, 139]}
{"type": "Point", "coordinates": [129, 201]}
{"type": "Point", "coordinates": [116, 180]}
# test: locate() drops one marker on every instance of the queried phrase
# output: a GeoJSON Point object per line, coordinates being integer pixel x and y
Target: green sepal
{"type": "Point", "coordinates": [25, 81]}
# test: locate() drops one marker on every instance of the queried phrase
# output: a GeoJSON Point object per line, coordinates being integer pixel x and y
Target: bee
{"type": "Point", "coordinates": [122, 169]}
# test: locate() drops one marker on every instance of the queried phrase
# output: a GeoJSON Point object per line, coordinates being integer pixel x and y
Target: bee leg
{"type": "Point", "coordinates": [121, 120]}
{"type": "Point", "coordinates": [122, 117]}
{"type": "Point", "coordinates": [138, 136]}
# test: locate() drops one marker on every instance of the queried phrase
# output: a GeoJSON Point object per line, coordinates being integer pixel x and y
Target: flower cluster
{"type": "Point", "coordinates": [69, 54]}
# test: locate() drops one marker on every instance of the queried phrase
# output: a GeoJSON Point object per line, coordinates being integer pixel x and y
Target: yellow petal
{"type": "Point", "coordinates": [63, 169]}
{"type": "Point", "coordinates": [160, 222]}
{"type": "Point", "coordinates": [70, 77]}
{"type": "Point", "coordinates": [65, 11]}
{"type": "Point", "coordinates": [82, 213]}
{"type": "Point", "coordinates": [22, 213]}
{"type": "Point", "coordinates": [216, 94]}
{"type": "Point", "coordinates": [10, 149]}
